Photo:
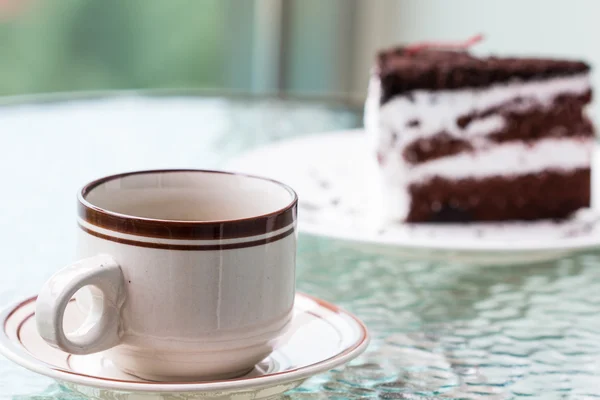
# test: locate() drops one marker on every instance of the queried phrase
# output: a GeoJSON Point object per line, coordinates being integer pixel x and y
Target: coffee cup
{"type": "Point", "coordinates": [188, 274]}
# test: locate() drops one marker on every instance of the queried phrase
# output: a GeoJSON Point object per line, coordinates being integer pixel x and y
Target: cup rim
{"type": "Point", "coordinates": [185, 229]}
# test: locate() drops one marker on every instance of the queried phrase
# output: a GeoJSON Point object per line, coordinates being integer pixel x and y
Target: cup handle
{"type": "Point", "coordinates": [101, 329]}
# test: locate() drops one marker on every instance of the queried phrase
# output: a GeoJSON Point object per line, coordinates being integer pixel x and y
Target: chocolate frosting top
{"type": "Point", "coordinates": [402, 71]}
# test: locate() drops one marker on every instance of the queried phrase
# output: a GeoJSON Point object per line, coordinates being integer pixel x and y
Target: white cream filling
{"type": "Point", "coordinates": [438, 111]}
{"type": "Point", "coordinates": [506, 159]}
{"type": "Point", "coordinates": [371, 113]}
{"type": "Point", "coordinates": [511, 158]}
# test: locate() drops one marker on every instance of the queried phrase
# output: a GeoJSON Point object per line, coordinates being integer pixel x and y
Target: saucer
{"type": "Point", "coordinates": [321, 337]}
{"type": "Point", "coordinates": [333, 175]}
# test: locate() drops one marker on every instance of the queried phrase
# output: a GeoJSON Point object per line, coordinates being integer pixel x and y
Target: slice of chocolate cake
{"type": "Point", "coordinates": [460, 138]}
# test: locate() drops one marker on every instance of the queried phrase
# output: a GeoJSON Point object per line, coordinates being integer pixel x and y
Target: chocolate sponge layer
{"type": "Point", "coordinates": [546, 195]}
{"type": "Point", "coordinates": [401, 71]}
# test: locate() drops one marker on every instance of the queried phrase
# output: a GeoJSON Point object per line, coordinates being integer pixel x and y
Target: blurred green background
{"type": "Point", "coordinates": [64, 45]}
{"type": "Point", "coordinates": [292, 46]}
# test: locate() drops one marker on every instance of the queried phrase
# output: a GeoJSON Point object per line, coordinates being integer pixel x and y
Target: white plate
{"type": "Point", "coordinates": [333, 175]}
{"type": "Point", "coordinates": [321, 337]}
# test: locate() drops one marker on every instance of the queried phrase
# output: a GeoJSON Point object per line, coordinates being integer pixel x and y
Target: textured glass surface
{"type": "Point", "coordinates": [439, 330]}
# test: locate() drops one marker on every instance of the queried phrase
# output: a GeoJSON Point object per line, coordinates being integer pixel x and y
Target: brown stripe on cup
{"type": "Point", "coordinates": [185, 230]}
{"type": "Point", "coordinates": [190, 247]}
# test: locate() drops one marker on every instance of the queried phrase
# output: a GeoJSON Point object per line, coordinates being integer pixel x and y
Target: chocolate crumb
{"type": "Point", "coordinates": [464, 120]}
{"type": "Point", "coordinates": [413, 123]}
{"type": "Point", "coordinates": [324, 184]}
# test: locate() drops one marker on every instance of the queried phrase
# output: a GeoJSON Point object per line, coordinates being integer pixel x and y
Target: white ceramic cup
{"type": "Point", "coordinates": [189, 274]}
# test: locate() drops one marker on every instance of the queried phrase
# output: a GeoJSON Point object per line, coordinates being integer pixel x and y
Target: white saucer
{"type": "Point", "coordinates": [322, 337]}
{"type": "Point", "coordinates": [333, 175]}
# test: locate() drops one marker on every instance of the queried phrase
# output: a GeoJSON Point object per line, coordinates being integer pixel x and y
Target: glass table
{"type": "Point", "coordinates": [439, 330]}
